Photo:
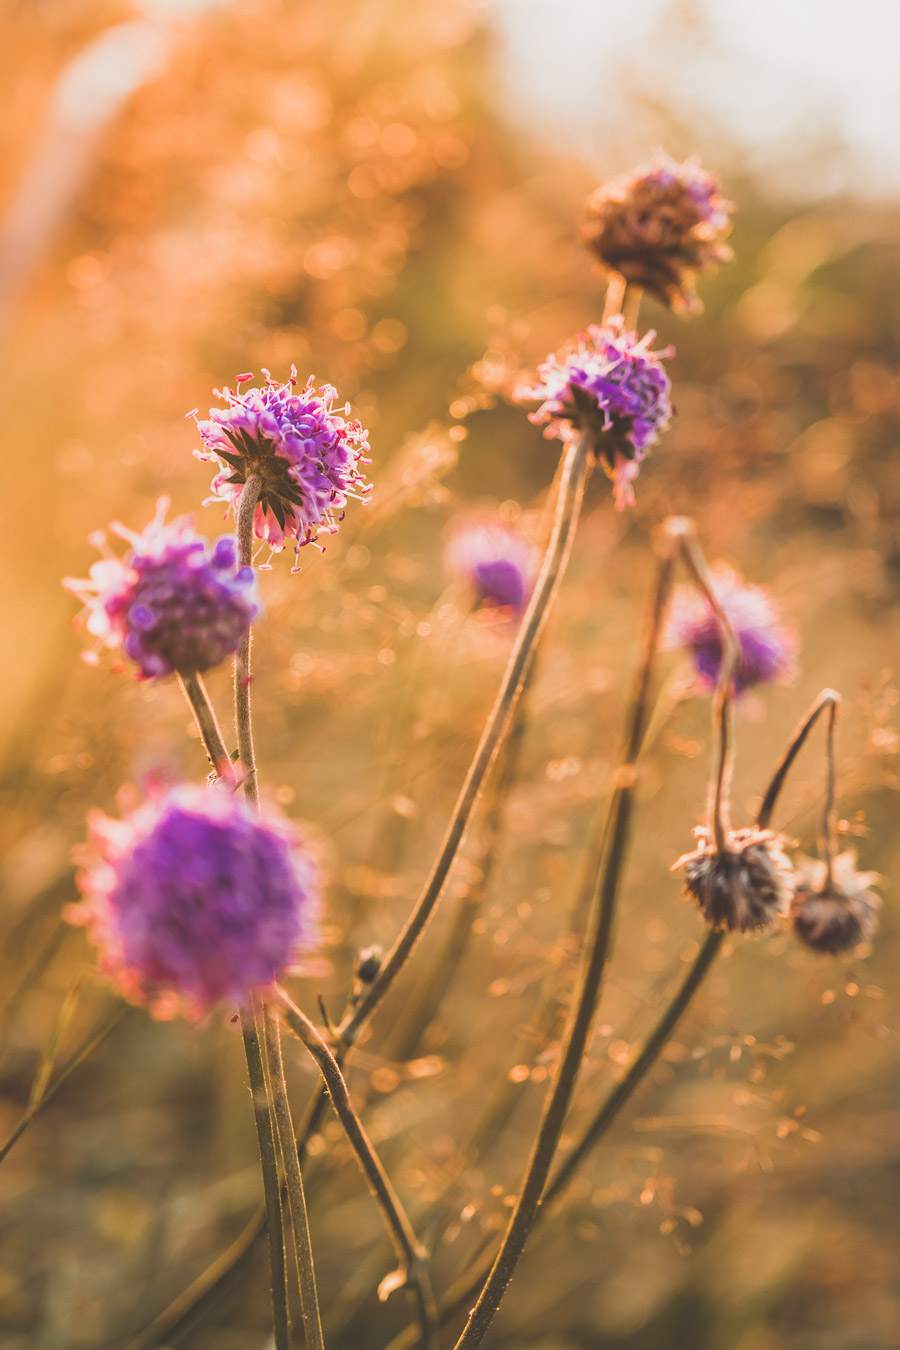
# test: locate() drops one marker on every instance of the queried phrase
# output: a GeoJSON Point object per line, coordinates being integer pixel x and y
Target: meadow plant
{"type": "Point", "coordinates": [202, 897]}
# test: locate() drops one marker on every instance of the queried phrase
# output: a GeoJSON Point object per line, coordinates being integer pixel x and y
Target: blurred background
{"type": "Point", "coordinates": [388, 195]}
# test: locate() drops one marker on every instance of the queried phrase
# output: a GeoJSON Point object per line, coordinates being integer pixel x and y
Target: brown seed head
{"type": "Point", "coordinates": [837, 918]}
{"type": "Point", "coordinates": [743, 887]}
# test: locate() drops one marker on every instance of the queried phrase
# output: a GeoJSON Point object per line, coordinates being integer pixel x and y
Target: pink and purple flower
{"type": "Point", "coordinates": [767, 647]}
{"type": "Point", "coordinates": [498, 564]}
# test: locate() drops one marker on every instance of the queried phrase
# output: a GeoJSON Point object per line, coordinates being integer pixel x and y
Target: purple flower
{"type": "Point", "coordinates": [658, 226]}
{"type": "Point", "coordinates": [306, 453]}
{"type": "Point", "coordinates": [767, 647]}
{"type": "Point", "coordinates": [744, 887]}
{"type": "Point", "coordinates": [174, 603]}
{"type": "Point", "coordinates": [836, 918]}
{"type": "Point", "coordinates": [614, 385]}
{"type": "Point", "coordinates": [193, 900]}
{"type": "Point", "coordinates": [499, 565]}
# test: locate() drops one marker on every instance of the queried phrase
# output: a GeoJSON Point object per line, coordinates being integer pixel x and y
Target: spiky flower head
{"type": "Point", "coordinates": [613, 385]}
{"type": "Point", "coordinates": [497, 563]}
{"type": "Point", "coordinates": [660, 225]}
{"type": "Point", "coordinates": [836, 918]}
{"type": "Point", "coordinates": [175, 602]}
{"type": "Point", "coordinates": [766, 646]}
{"type": "Point", "coordinates": [307, 453]}
{"type": "Point", "coordinates": [742, 887]}
{"type": "Point", "coordinates": [194, 900]}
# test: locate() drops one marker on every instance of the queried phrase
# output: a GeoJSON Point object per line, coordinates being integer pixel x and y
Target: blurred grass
{"type": "Point", "coordinates": [340, 191]}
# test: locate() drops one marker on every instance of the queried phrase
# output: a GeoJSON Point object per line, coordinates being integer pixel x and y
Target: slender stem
{"type": "Point", "coordinates": [309, 1300]}
{"type": "Point", "coordinates": [195, 692]}
{"type": "Point", "coordinates": [611, 866]}
{"type": "Point", "coordinates": [631, 305]}
{"type": "Point", "coordinates": [829, 824]}
{"type": "Point", "coordinates": [245, 513]}
{"type": "Point", "coordinates": [827, 699]}
{"type": "Point", "coordinates": [268, 1156]}
{"type": "Point", "coordinates": [615, 296]}
{"type": "Point", "coordinates": [412, 1256]}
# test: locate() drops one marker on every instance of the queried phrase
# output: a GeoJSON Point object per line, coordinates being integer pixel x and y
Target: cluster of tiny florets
{"type": "Point", "coordinates": [193, 900]}
{"type": "Point", "coordinates": [306, 452]}
{"type": "Point", "coordinates": [175, 602]}
{"type": "Point", "coordinates": [766, 646]}
{"type": "Point", "coordinates": [658, 226]}
{"type": "Point", "coordinates": [498, 564]}
{"type": "Point", "coordinates": [834, 918]}
{"type": "Point", "coordinates": [743, 887]}
{"type": "Point", "coordinates": [614, 385]}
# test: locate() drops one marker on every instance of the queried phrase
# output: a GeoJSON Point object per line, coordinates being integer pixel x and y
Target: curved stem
{"type": "Point", "coordinates": [414, 1267]}
{"type": "Point", "coordinates": [828, 698]}
{"type": "Point", "coordinates": [245, 513]}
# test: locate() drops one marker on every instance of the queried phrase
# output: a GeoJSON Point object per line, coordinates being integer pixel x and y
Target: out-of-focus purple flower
{"type": "Point", "coordinates": [767, 647]}
{"type": "Point", "coordinates": [173, 603]}
{"type": "Point", "coordinates": [658, 226]}
{"type": "Point", "coordinates": [834, 919]}
{"type": "Point", "coordinates": [307, 453]}
{"type": "Point", "coordinates": [745, 886]}
{"type": "Point", "coordinates": [499, 564]}
{"type": "Point", "coordinates": [614, 385]}
{"type": "Point", "coordinates": [193, 900]}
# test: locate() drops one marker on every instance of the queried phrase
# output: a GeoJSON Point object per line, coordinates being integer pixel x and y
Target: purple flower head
{"type": "Point", "coordinates": [745, 886]}
{"type": "Point", "coordinates": [658, 226]}
{"type": "Point", "coordinates": [175, 602]}
{"type": "Point", "coordinates": [614, 385]}
{"type": "Point", "coordinates": [835, 919]}
{"type": "Point", "coordinates": [767, 647]}
{"type": "Point", "coordinates": [307, 453]}
{"type": "Point", "coordinates": [498, 564]}
{"type": "Point", "coordinates": [193, 900]}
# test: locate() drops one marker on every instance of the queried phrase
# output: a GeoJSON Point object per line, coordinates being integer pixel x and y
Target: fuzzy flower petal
{"type": "Point", "coordinates": [498, 564]}
{"type": "Point", "coordinates": [192, 900]}
{"type": "Point", "coordinates": [307, 452]}
{"type": "Point", "coordinates": [767, 647]}
{"type": "Point", "coordinates": [838, 918]}
{"type": "Point", "coordinates": [175, 602]}
{"type": "Point", "coordinates": [613, 384]}
{"type": "Point", "coordinates": [660, 225]}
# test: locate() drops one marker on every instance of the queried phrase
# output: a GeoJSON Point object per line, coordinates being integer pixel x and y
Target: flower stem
{"type": "Point", "coordinates": [631, 305]}
{"type": "Point", "coordinates": [245, 513]}
{"type": "Point", "coordinates": [827, 699]}
{"type": "Point", "coordinates": [194, 691]}
{"type": "Point", "coordinates": [412, 1256]}
{"type": "Point", "coordinates": [615, 296]}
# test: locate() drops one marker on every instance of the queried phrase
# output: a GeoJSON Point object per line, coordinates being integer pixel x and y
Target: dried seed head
{"type": "Point", "coordinates": [744, 887]}
{"type": "Point", "coordinates": [368, 964]}
{"type": "Point", "coordinates": [658, 226]}
{"type": "Point", "coordinates": [836, 918]}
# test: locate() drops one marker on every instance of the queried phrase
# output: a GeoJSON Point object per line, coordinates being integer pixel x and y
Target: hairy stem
{"type": "Point", "coordinates": [412, 1256]}
{"type": "Point", "coordinates": [194, 691]}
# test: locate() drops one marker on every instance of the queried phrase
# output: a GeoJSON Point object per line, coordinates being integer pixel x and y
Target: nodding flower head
{"type": "Point", "coordinates": [498, 564]}
{"type": "Point", "coordinates": [836, 918]}
{"type": "Point", "coordinates": [193, 900]}
{"type": "Point", "coordinates": [306, 452]}
{"type": "Point", "coordinates": [743, 887]}
{"type": "Point", "coordinates": [767, 647]}
{"type": "Point", "coordinates": [175, 602]}
{"type": "Point", "coordinates": [660, 225]}
{"type": "Point", "coordinates": [613, 385]}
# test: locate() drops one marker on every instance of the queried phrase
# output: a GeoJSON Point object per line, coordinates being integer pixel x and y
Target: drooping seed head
{"type": "Point", "coordinates": [307, 453]}
{"type": "Point", "coordinates": [193, 900]}
{"type": "Point", "coordinates": [175, 602]}
{"type": "Point", "coordinates": [613, 385]}
{"type": "Point", "coordinates": [498, 564]}
{"type": "Point", "coordinates": [767, 647]}
{"type": "Point", "coordinates": [744, 887]}
{"type": "Point", "coordinates": [660, 225]}
{"type": "Point", "coordinates": [834, 919]}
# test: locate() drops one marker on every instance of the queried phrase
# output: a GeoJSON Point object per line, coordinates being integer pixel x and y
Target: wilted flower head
{"type": "Point", "coordinates": [193, 900]}
{"type": "Point", "coordinates": [838, 917]}
{"type": "Point", "coordinates": [613, 384]}
{"type": "Point", "coordinates": [499, 564]}
{"type": "Point", "coordinates": [175, 602]}
{"type": "Point", "coordinates": [742, 888]}
{"type": "Point", "coordinates": [767, 647]}
{"type": "Point", "coordinates": [306, 452]}
{"type": "Point", "coordinates": [658, 226]}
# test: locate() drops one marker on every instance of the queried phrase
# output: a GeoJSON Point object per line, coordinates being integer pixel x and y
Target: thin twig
{"type": "Point", "coordinates": [410, 1253]}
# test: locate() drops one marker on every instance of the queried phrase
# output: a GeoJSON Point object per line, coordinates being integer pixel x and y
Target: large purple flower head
{"type": "Point", "coordinates": [307, 453]}
{"type": "Point", "coordinates": [193, 900]}
{"type": "Point", "coordinates": [767, 647]}
{"type": "Point", "coordinates": [613, 384]}
{"type": "Point", "coordinates": [658, 226]}
{"type": "Point", "coordinates": [497, 563]}
{"type": "Point", "coordinates": [175, 602]}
